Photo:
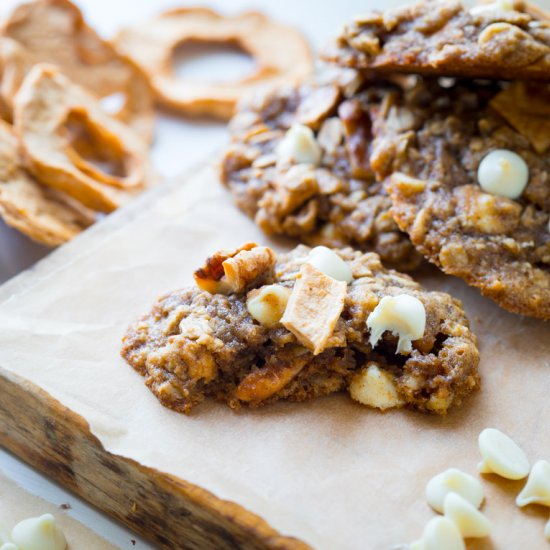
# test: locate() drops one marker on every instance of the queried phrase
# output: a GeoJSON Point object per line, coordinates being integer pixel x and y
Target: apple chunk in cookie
{"type": "Point", "coordinates": [468, 179]}
{"type": "Point", "coordinates": [261, 327]}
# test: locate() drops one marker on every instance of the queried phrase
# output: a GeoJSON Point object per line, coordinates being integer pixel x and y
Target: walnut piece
{"type": "Point", "coordinates": [234, 271]}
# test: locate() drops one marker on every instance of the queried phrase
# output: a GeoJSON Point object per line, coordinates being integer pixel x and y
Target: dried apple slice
{"type": "Point", "coordinates": [14, 64]}
{"type": "Point", "coordinates": [43, 214]}
{"type": "Point", "coordinates": [67, 139]}
{"type": "Point", "coordinates": [54, 31]}
{"type": "Point", "coordinates": [281, 55]}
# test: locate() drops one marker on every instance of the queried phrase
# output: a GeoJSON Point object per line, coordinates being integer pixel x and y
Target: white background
{"type": "Point", "coordinates": [180, 143]}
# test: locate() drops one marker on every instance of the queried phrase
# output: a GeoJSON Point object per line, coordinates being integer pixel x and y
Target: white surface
{"type": "Point", "coordinates": [179, 144]}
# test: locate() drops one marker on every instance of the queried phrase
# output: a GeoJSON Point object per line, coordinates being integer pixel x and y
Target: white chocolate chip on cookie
{"type": "Point", "coordinates": [442, 534]}
{"type": "Point", "coordinates": [469, 520]}
{"type": "Point", "coordinates": [503, 172]}
{"type": "Point", "coordinates": [41, 533]}
{"type": "Point", "coordinates": [402, 315]}
{"type": "Point", "coordinates": [267, 304]}
{"type": "Point", "coordinates": [376, 388]}
{"type": "Point", "coordinates": [453, 481]}
{"type": "Point", "coordinates": [537, 488]}
{"type": "Point", "coordinates": [328, 262]}
{"type": "Point", "coordinates": [300, 146]}
{"type": "Point", "coordinates": [501, 455]}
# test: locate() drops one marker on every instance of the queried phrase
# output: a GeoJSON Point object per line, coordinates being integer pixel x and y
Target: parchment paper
{"type": "Point", "coordinates": [335, 474]}
{"type": "Point", "coordinates": [16, 505]}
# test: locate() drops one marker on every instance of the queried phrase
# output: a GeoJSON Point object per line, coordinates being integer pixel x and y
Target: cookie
{"type": "Point", "coordinates": [503, 39]}
{"type": "Point", "coordinates": [45, 215]}
{"type": "Point", "coordinates": [299, 164]}
{"type": "Point", "coordinates": [468, 175]}
{"type": "Point", "coordinates": [259, 328]}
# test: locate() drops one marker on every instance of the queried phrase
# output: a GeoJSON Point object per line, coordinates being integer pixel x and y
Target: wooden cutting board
{"type": "Point", "coordinates": [329, 473]}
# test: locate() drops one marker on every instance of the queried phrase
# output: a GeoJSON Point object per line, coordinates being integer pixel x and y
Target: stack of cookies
{"type": "Point", "coordinates": [428, 139]}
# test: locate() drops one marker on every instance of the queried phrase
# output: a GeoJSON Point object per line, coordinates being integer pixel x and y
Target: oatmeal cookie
{"type": "Point", "coordinates": [301, 325]}
{"type": "Point", "coordinates": [469, 182]}
{"type": "Point", "coordinates": [299, 164]}
{"type": "Point", "coordinates": [503, 39]}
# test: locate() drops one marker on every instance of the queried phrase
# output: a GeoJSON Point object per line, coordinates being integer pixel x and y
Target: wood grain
{"type": "Point", "coordinates": [166, 510]}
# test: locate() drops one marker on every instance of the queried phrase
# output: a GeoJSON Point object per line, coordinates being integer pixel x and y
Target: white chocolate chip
{"type": "Point", "coordinates": [497, 5]}
{"type": "Point", "coordinates": [537, 488]}
{"type": "Point", "coordinates": [442, 534]}
{"type": "Point", "coordinates": [503, 172]}
{"type": "Point", "coordinates": [547, 530]}
{"type": "Point", "coordinates": [374, 387]}
{"type": "Point", "coordinates": [9, 546]}
{"type": "Point", "coordinates": [469, 520]}
{"type": "Point", "coordinates": [300, 146]}
{"type": "Point", "coordinates": [328, 262]}
{"type": "Point", "coordinates": [416, 545]}
{"type": "Point", "coordinates": [402, 315]}
{"type": "Point", "coordinates": [453, 481]}
{"type": "Point", "coordinates": [267, 304]}
{"type": "Point", "coordinates": [501, 455]}
{"type": "Point", "coordinates": [40, 533]}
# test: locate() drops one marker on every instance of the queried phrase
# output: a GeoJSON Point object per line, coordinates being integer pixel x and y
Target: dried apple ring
{"type": "Point", "coordinates": [43, 214]}
{"type": "Point", "coordinates": [281, 55]}
{"type": "Point", "coordinates": [68, 140]}
{"type": "Point", "coordinates": [14, 64]}
{"type": "Point", "coordinates": [54, 31]}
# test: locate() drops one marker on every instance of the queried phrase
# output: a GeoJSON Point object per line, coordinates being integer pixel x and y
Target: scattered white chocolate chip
{"type": "Point", "coordinates": [547, 530]}
{"type": "Point", "coordinates": [267, 304]}
{"type": "Point", "coordinates": [9, 546]}
{"type": "Point", "coordinates": [442, 534]}
{"type": "Point", "coordinates": [469, 520]}
{"type": "Point", "coordinates": [40, 533]}
{"type": "Point", "coordinates": [402, 315]}
{"type": "Point", "coordinates": [497, 5]}
{"type": "Point", "coordinates": [501, 455]}
{"type": "Point", "coordinates": [327, 261]}
{"type": "Point", "coordinates": [374, 387]}
{"type": "Point", "coordinates": [453, 481]}
{"type": "Point", "coordinates": [503, 172]}
{"type": "Point", "coordinates": [537, 488]}
{"type": "Point", "coordinates": [299, 145]}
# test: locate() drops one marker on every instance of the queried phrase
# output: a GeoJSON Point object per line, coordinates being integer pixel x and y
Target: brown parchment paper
{"type": "Point", "coordinates": [16, 505]}
{"type": "Point", "coordinates": [335, 474]}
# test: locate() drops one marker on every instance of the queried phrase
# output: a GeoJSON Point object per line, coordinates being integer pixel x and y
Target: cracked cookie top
{"type": "Point", "coordinates": [502, 39]}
